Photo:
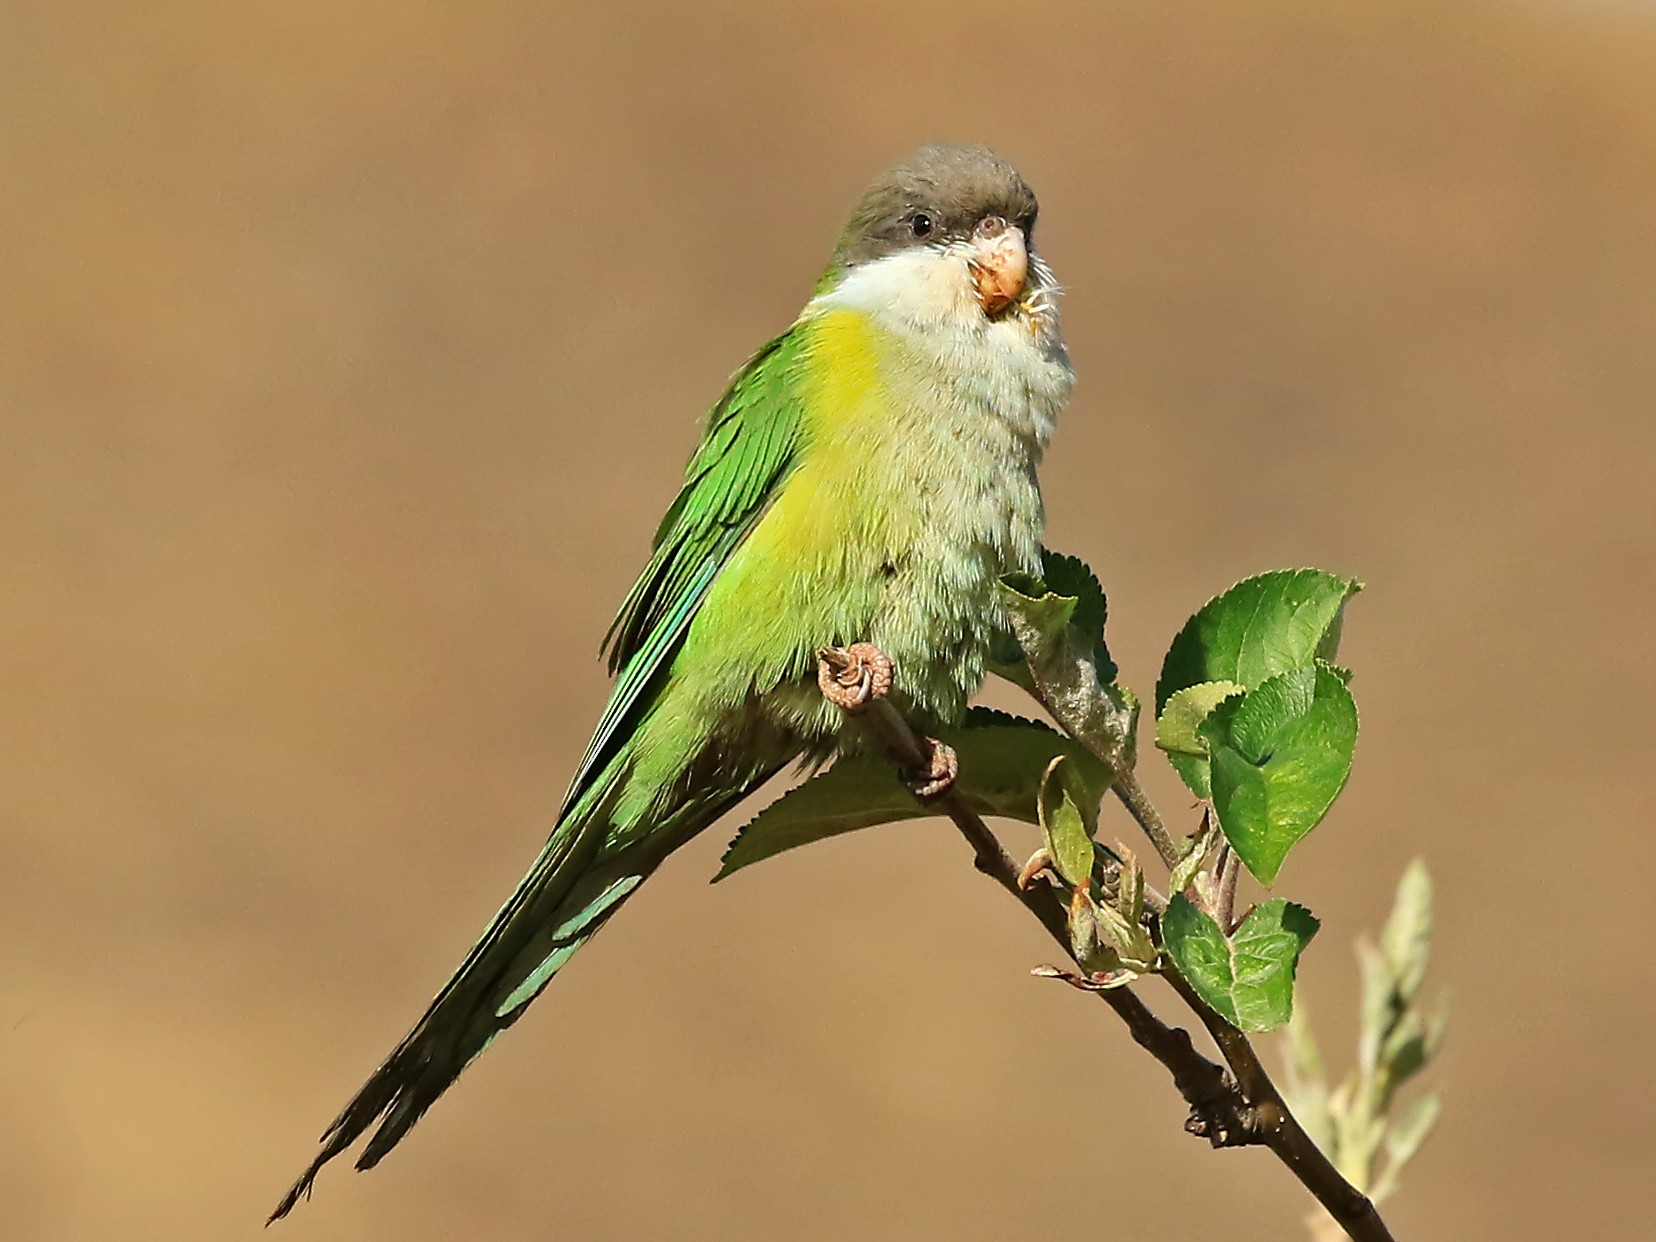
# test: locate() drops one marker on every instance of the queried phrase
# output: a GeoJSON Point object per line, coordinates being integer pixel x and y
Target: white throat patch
{"type": "Point", "coordinates": [1013, 367]}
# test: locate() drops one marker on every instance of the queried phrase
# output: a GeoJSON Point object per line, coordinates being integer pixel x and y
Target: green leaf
{"type": "Point", "coordinates": [1404, 1055]}
{"type": "Point", "coordinates": [1360, 1135]}
{"type": "Point", "coordinates": [1307, 1085]}
{"type": "Point", "coordinates": [1247, 977]}
{"type": "Point", "coordinates": [1262, 626]}
{"type": "Point", "coordinates": [1069, 817]}
{"type": "Point", "coordinates": [1121, 925]}
{"type": "Point", "coordinates": [1006, 659]}
{"type": "Point", "coordinates": [1377, 1008]}
{"type": "Point", "coordinates": [1072, 577]}
{"type": "Point", "coordinates": [1279, 757]}
{"type": "Point", "coordinates": [1406, 940]}
{"type": "Point", "coordinates": [1185, 710]}
{"type": "Point", "coordinates": [1176, 730]}
{"type": "Point", "coordinates": [1412, 1043]}
{"type": "Point", "coordinates": [1083, 929]}
{"type": "Point", "coordinates": [1129, 885]}
{"type": "Point", "coordinates": [1045, 614]}
{"type": "Point", "coordinates": [1403, 1139]}
{"type": "Point", "coordinates": [1130, 942]}
{"type": "Point", "coordinates": [1410, 1130]}
{"type": "Point", "coordinates": [1192, 854]}
{"type": "Point", "coordinates": [1437, 1026]}
{"type": "Point", "coordinates": [1002, 761]}
{"type": "Point", "coordinates": [1066, 664]}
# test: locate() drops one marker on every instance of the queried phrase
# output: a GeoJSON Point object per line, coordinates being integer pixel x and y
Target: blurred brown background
{"type": "Point", "coordinates": [347, 358]}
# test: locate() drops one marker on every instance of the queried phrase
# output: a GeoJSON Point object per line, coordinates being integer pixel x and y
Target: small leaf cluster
{"type": "Point", "coordinates": [1108, 937]}
{"type": "Point", "coordinates": [1358, 1120]}
{"type": "Point", "coordinates": [1253, 714]}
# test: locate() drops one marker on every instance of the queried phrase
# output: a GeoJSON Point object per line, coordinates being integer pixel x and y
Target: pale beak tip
{"type": "Point", "coordinates": [1000, 269]}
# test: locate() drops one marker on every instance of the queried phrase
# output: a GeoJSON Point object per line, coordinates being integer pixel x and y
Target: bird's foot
{"type": "Point", "coordinates": [852, 677]}
{"type": "Point", "coordinates": [936, 774]}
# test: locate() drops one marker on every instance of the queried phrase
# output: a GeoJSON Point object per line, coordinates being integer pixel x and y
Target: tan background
{"type": "Point", "coordinates": [348, 356]}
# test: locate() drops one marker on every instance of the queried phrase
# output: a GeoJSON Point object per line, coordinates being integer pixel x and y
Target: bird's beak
{"type": "Point", "coordinates": [999, 263]}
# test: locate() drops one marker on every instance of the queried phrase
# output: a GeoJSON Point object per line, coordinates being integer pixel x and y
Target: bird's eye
{"type": "Point", "coordinates": [921, 224]}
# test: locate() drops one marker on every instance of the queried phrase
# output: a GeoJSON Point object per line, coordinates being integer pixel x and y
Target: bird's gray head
{"type": "Point", "coordinates": [940, 194]}
{"type": "Point", "coordinates": [963, 206]}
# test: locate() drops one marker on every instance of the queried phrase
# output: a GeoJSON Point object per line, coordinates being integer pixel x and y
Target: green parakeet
{"type": "Point", "coordinates": [868, 475]}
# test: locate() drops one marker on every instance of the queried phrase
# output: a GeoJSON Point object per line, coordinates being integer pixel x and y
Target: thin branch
{"type": "Point", "coordinates": [1241, 1111]}
{"type": "Point", "coordinates": [1278, 1128]}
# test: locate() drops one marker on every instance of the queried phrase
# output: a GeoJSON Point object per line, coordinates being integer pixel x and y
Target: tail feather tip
{"type": "Point", "coordinates": [300, 1189]}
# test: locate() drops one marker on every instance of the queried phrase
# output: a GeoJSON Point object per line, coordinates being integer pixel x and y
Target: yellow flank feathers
{"type": "Point", "coordinates": [811, 571]}
{"type": "Point", "coordinates": [842, 376]}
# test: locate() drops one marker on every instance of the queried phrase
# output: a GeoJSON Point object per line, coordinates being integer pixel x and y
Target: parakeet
{"type": "Point", "coordinates": [867, 476]}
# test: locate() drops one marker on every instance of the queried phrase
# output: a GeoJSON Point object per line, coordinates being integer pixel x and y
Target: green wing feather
{"type": "Point", "coordinates": [749, 446]}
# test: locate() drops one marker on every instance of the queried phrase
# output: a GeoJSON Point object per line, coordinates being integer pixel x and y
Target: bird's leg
{"type": "Point", "coordinates": [852, 677]}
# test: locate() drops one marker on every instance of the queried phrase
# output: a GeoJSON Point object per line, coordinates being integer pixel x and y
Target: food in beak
{"type": "Point", "coordinates": [999, 264]}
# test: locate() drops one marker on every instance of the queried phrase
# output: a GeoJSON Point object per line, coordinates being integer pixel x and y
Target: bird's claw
{"type": "Point", "coordinates": [852, 677]}
{"type": "Point", "coordinates": [939, 766]}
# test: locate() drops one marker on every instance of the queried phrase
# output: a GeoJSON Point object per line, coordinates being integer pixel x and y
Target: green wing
{"type": "Point", "coordinates": [748, 448]}
{"type": "Point", "coordinates": [750, 444]}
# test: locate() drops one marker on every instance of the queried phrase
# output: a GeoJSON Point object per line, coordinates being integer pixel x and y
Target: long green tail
{"type": "Point", "coordinates": [576, 884]}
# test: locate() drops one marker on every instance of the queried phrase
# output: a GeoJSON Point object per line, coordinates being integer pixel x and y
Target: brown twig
{"type": "Point", "coordinates": [1228, 867]}
{"type": "Point", "coordinates": [1244, 1110]}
